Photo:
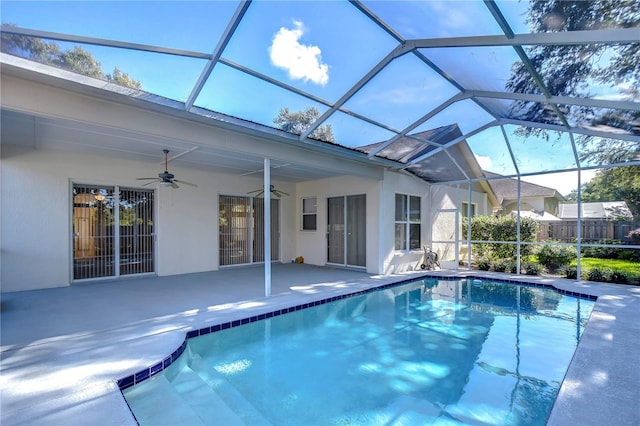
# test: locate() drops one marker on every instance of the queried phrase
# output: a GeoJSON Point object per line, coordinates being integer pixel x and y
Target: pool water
{"type": "Point", "coordinates": [424, 352]}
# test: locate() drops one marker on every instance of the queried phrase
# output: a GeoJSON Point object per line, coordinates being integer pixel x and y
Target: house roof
{"type": "Point", "coordinates": [455, 164]}
{"type": "Point", "coordinates": [598, 210]}
{"type": "Point", "coordinates": [458, 164]}
{"type": "Point", "coordinates": [544, 216]}
{"type": "Point", "coordinates": [507, 189]}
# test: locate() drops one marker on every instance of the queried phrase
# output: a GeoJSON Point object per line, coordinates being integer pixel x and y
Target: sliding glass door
{"type": "Point", "coordinates": [112, 231]}
{"type": "Point", "coordinates": [136, 231]}
{"type": "Point", "coordinates": [241, 230]}
{"type": "Point", "coordinates": [258, 237]}
{"type": "Point", "coordinates": [346, 230]}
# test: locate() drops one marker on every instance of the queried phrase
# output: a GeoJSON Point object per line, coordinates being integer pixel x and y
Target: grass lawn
{"type": "Point", "coordinates": [626, 266]}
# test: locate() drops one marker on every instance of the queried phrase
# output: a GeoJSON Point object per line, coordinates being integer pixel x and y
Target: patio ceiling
{"type": "Point", "coordinates": [382, 76]}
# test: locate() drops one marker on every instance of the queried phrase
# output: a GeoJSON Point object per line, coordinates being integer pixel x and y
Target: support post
{"type": "Point", "coordinates": [469, 227]}
{"type": "Point", "coordinates": [267, 227]}
{"type": "Point", "coordinates": [518, 223]}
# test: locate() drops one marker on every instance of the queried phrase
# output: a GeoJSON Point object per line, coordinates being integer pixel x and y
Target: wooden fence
{"type": "Point", "coordinates": [592, 230]}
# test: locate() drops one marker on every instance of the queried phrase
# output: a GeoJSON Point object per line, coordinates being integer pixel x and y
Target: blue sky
{"type": "Point", "coordinates": [322, 48]}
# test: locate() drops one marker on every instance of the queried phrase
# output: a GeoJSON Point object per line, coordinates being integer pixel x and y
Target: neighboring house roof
{"type": "Point", "coordinates": [507, 189]}
{"type": "Point", "coordinates": [600, 210]}
{"type": "Point", "coordinates": [545, 216]}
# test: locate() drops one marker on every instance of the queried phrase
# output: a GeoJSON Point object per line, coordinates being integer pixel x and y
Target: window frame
{"type": "Point", "coordinates": [408, 220]}
{"type": "Point", "coordinates": [464, 209]}
{"type": "Point", "coordinates": [304, 214]}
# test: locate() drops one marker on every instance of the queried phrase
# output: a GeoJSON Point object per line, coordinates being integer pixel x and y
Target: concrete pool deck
{"type": "Point", "coordinates": [63, 349]}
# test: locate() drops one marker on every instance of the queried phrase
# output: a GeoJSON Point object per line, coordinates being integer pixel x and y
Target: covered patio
{"type": "Point", "coordinates": [63, 349]}
{"type": "Point", "coordinates": [59, 370]}
{"type": "Point", "coordinates": [36, 317]}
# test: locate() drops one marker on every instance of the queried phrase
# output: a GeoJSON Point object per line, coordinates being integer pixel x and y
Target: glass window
{"type": "Point", "coordinates": [401, 207]}
{"type": "Point", "coordinates": [408, 222]}
{"type": "Point", "coordinates": [309, 214]}
{"type": "Point", "coordinates": [465, 210]}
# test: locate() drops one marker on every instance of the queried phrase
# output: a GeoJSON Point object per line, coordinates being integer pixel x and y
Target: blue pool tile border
{"type": "Point", "coordinates": [149, 372]}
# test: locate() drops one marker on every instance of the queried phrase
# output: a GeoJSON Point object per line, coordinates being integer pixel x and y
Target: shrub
{"type": "Point", "coordinates": [599, 274]}
{"type": "Point", "coordinates": [555, 255]}
{"type": "Point", "coordinates": [505, 265]}
{"type": "Point", "coordinates": [634, 235]}
{"type": "Point", "coordinates": [531, 268]}
{"type": "Point", "coordinates": [484, 264]}
{"type": "Point", "coordinates": [500, 228]}
{"type": "Point", "coordinates": [619, 277]}
{"type": "Point", "coordinates": [603, 252]}
{"type": "Point", "coordinates": [512, 267]}
{"type": "Point", "coordinates": [570, 272]}
{"type": "Point", "coordinates": [500, 265]}
{"type": "Point", "coordinates": [626, 255]}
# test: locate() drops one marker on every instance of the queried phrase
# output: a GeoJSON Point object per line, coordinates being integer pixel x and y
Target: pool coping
{"type": "Point", "coordinates": [147, 373]}
{"type": "Point", "coordinates": [602, 384]}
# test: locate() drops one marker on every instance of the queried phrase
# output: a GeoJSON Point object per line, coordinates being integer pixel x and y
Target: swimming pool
{"type": "Point", "coordinates": [432, 351]}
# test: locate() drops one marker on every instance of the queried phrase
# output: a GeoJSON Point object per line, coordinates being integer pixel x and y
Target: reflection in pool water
{"type": "Point", "coordinates": [427, 351]}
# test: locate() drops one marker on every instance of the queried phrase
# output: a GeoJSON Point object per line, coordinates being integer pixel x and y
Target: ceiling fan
{"type": "Point", "coordinates": [165, 178]}
{"type": "Point", "coordinates": [273, 189]}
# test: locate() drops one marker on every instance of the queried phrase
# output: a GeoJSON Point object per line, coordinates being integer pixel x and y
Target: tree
{"type": "Point", "coordinates": [299, 121]}
{"type": "Point", "coordinates": [76, 59]}
{"type": "Point", "coordinates": [569, 70]}
{"type": "Point", "coordinates": [618, 184]}
{"type": "Point", "coordinates": [123, 79]}
{"type": "Point", "coordinates": [80, 61]}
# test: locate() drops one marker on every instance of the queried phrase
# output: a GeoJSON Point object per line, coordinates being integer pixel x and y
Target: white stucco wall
{"type": "Point", "coordinates": [32, 222]}
{"type": "Point", "coordinates": [445, 217]}
{"type": "Point", "coordinates": [35, 209]}
{"type": "Point", "coordinates": [399, 183]}
{"type": "Point", "coordinates": [382, 258]}
{"type": "Point", "coordinates": [312, 245]}
{"type": "Point", "coordinates": [36, 214]}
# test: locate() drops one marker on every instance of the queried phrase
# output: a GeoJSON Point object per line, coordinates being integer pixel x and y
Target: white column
{"type": "Point", "coordinates": [470, 197]}
{"type": "Point", "coordinates": [267, 227]}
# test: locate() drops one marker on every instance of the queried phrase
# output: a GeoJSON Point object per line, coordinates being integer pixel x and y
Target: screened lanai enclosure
{"type": "Point", "coordinates": [529, 102]}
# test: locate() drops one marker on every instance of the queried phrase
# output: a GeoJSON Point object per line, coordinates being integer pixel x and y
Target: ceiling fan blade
{"type": "Point", "coordinates": [174, 185]}
{"type": "Point", "coordinates": [147, 178]}
{"type": "Point", "coordinates": [153, 181]}
{"type": "Point", "coordinates": [185, 183]}
{"type": "Point", "coordinates": [282, 192]}
{"type": "Point", "coordinates": [256, 190]}
{"type": "Point", "coordinates": [277, 193]}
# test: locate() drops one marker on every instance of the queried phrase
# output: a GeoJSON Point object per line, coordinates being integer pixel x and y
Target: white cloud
{"type": "Point", "coordinates": [302, 62]}
{"type": "Point", "coordinates": [485, 162]}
